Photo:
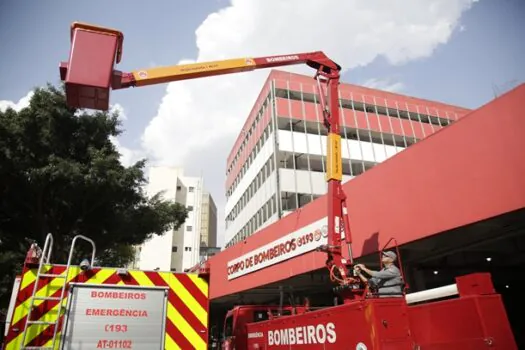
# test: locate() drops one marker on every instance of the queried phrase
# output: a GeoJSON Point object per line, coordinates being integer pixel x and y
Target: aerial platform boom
{"type": "Point", "coordinates": [89, 76]}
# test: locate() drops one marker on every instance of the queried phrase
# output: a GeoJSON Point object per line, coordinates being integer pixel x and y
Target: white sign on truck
{"type": "Point", "coordinates": [12, 303]}
{"type": "Point", "coordinates": [115, 317]}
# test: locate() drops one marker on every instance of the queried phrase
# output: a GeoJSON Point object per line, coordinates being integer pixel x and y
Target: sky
{"type": "Point", "coordinates": [461, 52]}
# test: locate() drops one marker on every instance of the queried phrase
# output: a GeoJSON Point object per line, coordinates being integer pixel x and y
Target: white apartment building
{"type": "Point", "coordinates": [277, 163]}
{"type": "Point", "coordinates": [179, 249]}
{"type": "Point", "coordinates": [208, 221]}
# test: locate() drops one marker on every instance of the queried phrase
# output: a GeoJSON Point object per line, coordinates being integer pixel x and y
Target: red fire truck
{"type": "Point", "coordinates": [468, 314]}
{"type": "Point", "coordinates": [132, 309]}
{"type": "Point", "coordinates": [472, 316]}
{"type": "Point", "coordinates": [75, 306]}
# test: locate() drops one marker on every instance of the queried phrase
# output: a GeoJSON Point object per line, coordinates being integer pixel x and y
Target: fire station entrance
{"type": "Point", "coordinates": [495, 245]}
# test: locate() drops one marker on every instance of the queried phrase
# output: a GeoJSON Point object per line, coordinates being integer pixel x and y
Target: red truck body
{"type": "Point", "coordinates": [237, 320]}
{"type": "Point", "coordinates": [380, 323]}
{"type": "Point", "coordinates": [476, 319]}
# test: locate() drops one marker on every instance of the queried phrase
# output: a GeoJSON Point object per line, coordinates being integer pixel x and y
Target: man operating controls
{"type": "Point", "coordinates": [387, 281]}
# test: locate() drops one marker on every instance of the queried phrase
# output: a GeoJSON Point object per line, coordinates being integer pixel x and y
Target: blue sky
{"type": "Point", "coordinates": [482, 54]}
{"type": "Point", "coordinates": [35, 38]}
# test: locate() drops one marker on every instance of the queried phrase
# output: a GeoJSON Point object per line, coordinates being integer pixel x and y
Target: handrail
{"type": "Point", "coordinates": [73, 248]}
{"type": "Point", "coordinates": [48, 247]}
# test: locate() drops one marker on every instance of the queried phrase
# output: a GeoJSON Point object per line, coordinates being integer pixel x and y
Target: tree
{"type": "Point", "coordinates": [61, 174]}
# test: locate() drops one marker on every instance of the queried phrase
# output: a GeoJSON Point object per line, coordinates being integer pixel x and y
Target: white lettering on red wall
{"type": "Point", "coordinates": [296, 243]}
{"type": "Point", "coordinates": [301, 335]}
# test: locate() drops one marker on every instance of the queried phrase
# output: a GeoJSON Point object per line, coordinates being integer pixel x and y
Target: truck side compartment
{"type": "Point", "coordinates": [475, 320]}
{"type": "Point", "coordinates": [380, 323]}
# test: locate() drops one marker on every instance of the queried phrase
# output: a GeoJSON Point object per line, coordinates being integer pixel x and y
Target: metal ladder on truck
{"type": "Point", "coordinates": [45, 259]}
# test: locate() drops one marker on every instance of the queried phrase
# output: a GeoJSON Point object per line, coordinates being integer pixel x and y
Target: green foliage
{"type": "Point", "coordinates": [60, 173]}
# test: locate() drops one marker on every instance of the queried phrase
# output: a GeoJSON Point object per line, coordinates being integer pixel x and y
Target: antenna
{"type": "Point", "coordinates": [494, 90]}
{"type": "Point", "coordinates": [506, 86]}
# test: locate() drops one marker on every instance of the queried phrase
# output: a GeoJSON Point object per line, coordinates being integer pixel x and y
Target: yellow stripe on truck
{"type": "Point", "coordinates": [184, 327]}
{"type": "Point", "coordinates": [187, 299]}
{"type": "Point", "coordinates": [170, 343]}
{"type": "Point", "coordinates": [30, 276]}
{"type": "Point", "coordinates": [199, 282]}
{"type": "Point", "coordinates": [55, 284]}
{"type": "Point", "coordinates": [141, 278]}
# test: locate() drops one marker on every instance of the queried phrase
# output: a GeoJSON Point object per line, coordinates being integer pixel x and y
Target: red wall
{"type": "Point", "coordinates": [305, 83]}
{"type": "Point", "coordinates": [363, 94]}
{"type": "Point", "coordinates": [370, 121]}
{"type": "Point", "coordinates": [471, 170]}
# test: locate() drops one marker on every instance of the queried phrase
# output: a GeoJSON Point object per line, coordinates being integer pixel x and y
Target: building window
{"type": "Point", "coordinates": [173, 269]}
{"type": "Point", "coordinates": [190, 207]}
{"type": "Point", "coordinates": [189, 228]}
{"type": "Point", "coordinates": [187, 249]}
{"type": "Point", "coordinates": [190, 189]}
{"type": "Point", "coordinates": [179, 188]}
{"type": "Point", "coordinates": [174, 249]}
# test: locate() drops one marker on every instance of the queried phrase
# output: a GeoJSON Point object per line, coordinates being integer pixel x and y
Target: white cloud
{"type": "Point", "coordinates": [198, 120]}
{"type": "Point", "coordinates": [384, 84]}
{"type": "Point", "coordinates": [118, 109]}
{"type": "Point", "coordinates": [17, 106]}
{"type": "Point", "coordinates": [128, 156]}
{"type": "Point", "coordinates": [113, 108]}
{"type": "Point", "coordinates": [207, 114]}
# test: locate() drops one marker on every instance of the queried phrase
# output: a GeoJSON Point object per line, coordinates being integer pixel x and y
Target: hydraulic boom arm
{"type": "Point", "coordinates": [316, 60]}
{"type": "Point", "coordinates": [89, 76]}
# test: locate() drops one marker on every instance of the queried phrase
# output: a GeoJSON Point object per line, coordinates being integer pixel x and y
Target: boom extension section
{"type": "Point", "coordinates": [89, 76]}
